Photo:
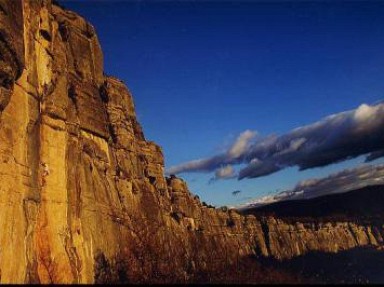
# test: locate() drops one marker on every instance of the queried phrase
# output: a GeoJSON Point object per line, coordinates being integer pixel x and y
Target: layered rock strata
{"type": "Point", "coordinates": [83, 198]}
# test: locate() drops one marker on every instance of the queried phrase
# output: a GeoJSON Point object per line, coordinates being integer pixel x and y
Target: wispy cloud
{"type": "Point", "coordinates": [334, 138]}
{"type": "Point", "coordinates": [343, 181]}
{"type": "Point", "coordinates": [231, 156]}
{"type": "Point", "coordinates": [374, 155]}
{"type": "Point", "coordinates": [236, 192]}
{"type": "Point", "coordinates": [241, 144]}
{"type": "Point", "coordinates": [225, 172]}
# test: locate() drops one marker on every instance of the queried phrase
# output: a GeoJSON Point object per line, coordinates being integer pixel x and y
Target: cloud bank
{"type": "Point", "coordinates": [346, 180]}
{"type": "Point", "coordinates": [225, 172]}
{"type": "Point", "coordinates": [217, 162]}
{"type": "Point", "coordinates": [332, 139]}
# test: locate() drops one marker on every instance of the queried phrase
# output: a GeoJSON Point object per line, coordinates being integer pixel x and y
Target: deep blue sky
{"type": "Point", "coordinates": [203, 72]}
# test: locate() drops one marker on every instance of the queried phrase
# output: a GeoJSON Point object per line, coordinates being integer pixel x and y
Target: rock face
{"type": "Point", "coordinates": [11, 48]}
{"type": "Point", "coordinates": [83, 198]}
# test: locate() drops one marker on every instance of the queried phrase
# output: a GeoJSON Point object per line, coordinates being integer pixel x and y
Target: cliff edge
{"type": "Point", "coordinates": [83, 197]}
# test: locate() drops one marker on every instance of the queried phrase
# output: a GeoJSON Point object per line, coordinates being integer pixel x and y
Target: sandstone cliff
{"type": "Point", "coordinates": [83, 198]}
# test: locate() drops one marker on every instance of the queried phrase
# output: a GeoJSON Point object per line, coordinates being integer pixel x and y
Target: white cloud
{"type": "Point", "coordinates": [332, 139]}
{"type": "Point", "coordinates": [225, 172]}
{"type": "Point", "coordinates": [343, 181]}
{"type": "Point", "coordinates": [241, 145]}
{"type": "Point", "coordinates": [365, 112]}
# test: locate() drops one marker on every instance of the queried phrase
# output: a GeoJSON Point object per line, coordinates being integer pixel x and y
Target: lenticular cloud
{"type": "Point", "coordinates": [332, 139]}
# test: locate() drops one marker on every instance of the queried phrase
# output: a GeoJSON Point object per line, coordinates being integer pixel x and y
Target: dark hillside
{"type": "Point", "coordinates": [365, 204]}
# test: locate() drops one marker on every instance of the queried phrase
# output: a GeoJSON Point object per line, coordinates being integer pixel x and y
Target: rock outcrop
{"type": "Point", "coordinates": [83, 198]}
{"type": "Point", "coordinates": [11, 48]}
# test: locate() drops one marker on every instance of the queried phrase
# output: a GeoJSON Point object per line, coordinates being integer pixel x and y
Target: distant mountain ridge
{"type": "Point", "coordinates": [83, 196]}
{"type": "Point", "coordinates": [366, 202]}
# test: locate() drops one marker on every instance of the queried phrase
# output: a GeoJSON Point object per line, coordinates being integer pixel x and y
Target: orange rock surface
{"type": "Point", "coordinates": [83, 198]}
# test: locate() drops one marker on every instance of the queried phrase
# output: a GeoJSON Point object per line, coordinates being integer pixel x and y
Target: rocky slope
{"type": "Point", "coordinates": [83, 198]}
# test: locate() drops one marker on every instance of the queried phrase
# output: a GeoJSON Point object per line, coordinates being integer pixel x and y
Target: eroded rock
{"type": "Point", "coordinates": [83, 197]}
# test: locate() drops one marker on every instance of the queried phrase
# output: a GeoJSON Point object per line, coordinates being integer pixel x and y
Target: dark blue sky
{"type": "Point", "coordinates": [203, 72]}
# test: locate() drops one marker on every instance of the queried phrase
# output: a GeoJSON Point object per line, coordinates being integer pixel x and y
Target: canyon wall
{"type": "Point", "coordinates": [83, 197]}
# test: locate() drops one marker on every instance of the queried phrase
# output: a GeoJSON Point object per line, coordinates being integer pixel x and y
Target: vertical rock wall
{"type": "Point", "coordinates": [83, 198]}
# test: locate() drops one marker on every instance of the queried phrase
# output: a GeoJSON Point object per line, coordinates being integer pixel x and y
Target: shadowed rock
{"type": "Point", "coordinates": [83, 198]}
{"type": "Point", "coordinates": [11, 48]}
